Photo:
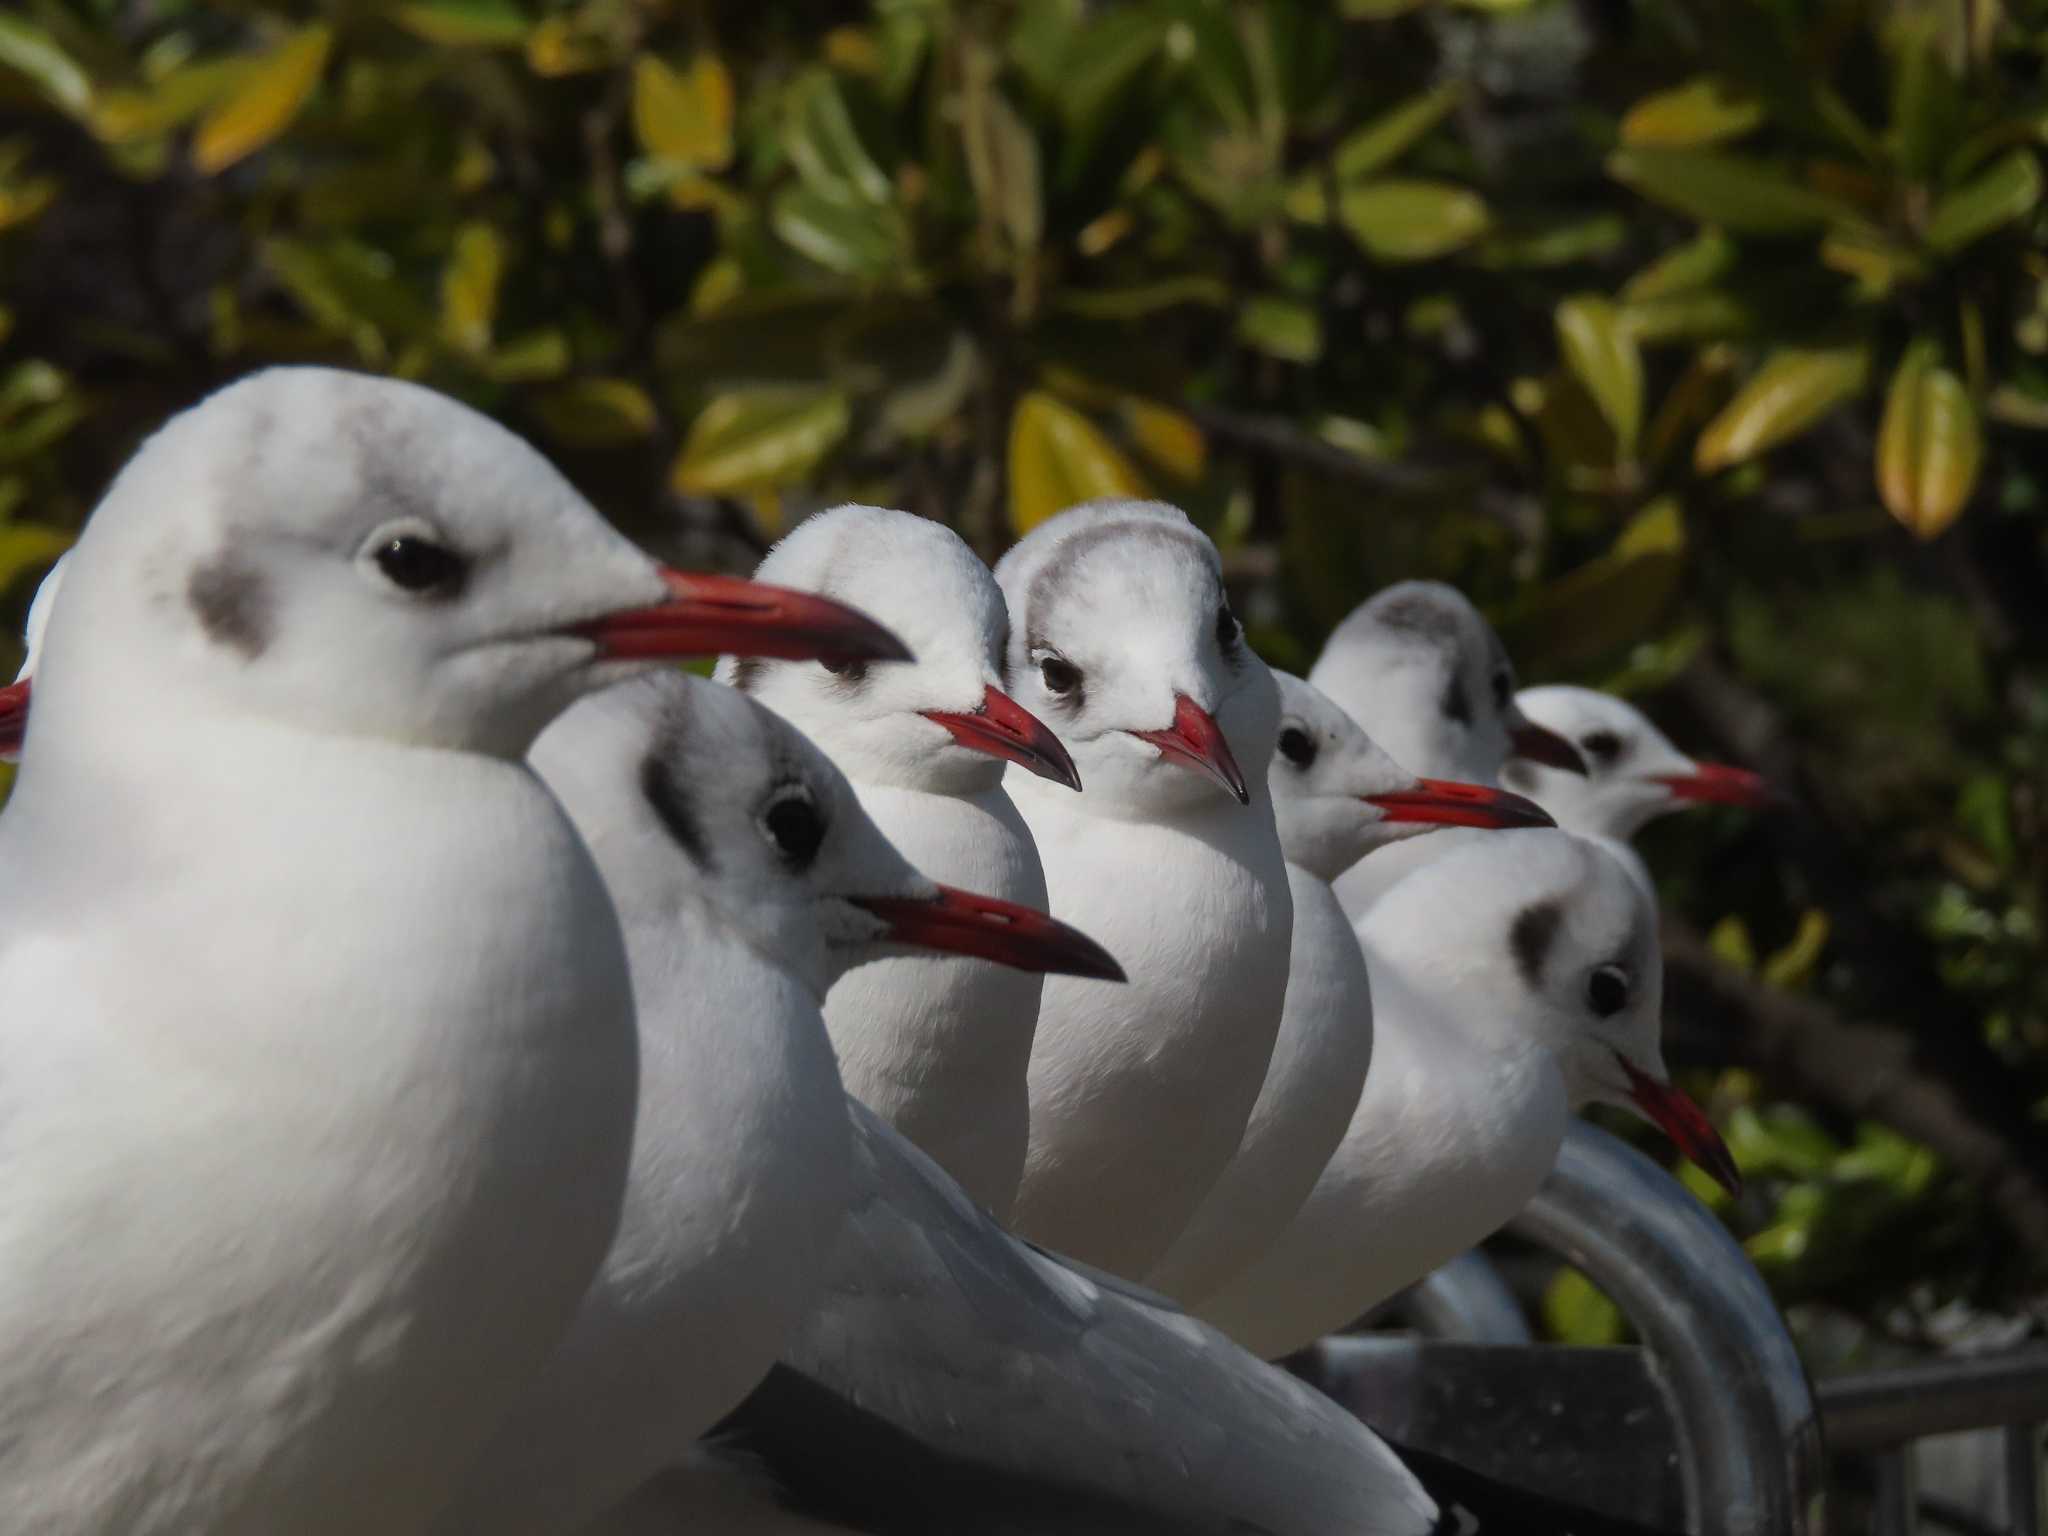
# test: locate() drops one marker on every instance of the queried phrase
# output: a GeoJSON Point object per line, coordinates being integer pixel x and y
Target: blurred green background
{"type": "Point", "coordinates": [1706, 345]}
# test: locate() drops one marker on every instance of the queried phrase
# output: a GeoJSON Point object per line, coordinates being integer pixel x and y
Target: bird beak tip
{"type": "Point", "coordinates": [960, 922]}
{"type": "Point", "coordinates": [1003, 728]}
{"type": "Point", "coordinates": [1195, 740]}
{"type": "Point", "coordinates": [1679, 1118]}
{"type": "Point", "coordinates": [708, 615]}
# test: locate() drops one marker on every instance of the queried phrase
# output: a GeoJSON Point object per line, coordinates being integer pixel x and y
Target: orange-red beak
{"type": "Point", "coordinates": [1196, 740]}
{"type": "Point", "coordinates": [1004, 728]}
{"type": "Point", "coordinates": [1540, 744]}
{"type": "Point", "coordinates": [1449, 803]}
{"type": "Point", "coordinates": [1718, 784]}
{"type": "Point", "coordinates": [13, 719]}
{"type": "Point", "coordinates": [961, 923]}
{"type": "Point", "coordinates": [729, 615]}
{"type": "Point", "coordinates": [1685, 1123]}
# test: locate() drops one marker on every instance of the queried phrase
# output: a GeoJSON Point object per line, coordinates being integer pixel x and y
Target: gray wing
{"type": "Point", "coordinates": [954, 1378]}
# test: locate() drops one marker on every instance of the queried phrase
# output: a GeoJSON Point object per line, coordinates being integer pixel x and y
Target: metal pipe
{"type": "Point", "coordinates": [1750, 1437]}
{"type": "Point", "coordinates": [2023, 1479]}
{"type": "Point", "coordinates": [1465, 1299]}
{"type": "Point", "coordinates": [1872, 1409]}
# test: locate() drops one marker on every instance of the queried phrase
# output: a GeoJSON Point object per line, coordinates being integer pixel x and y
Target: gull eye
{"type": "Point", "coordinates": [795, 825]}
{"type": "Point", "coordinates": [1061, 675]}
{"type": "Point", "coordinates": [1503, 690]}
{"type": "Point", "coordinates": [414, 563]}
{"type": "Point", "coordinates": [1227, 628]}
{"type": "Point", "coordinates": [1607, 990]}
{"type": "Point", "coordinates": [852, 671]}
{"type": "Point", "coordinates": [1602, 746]}
{"type": "Point", "coordinates": [1297, 746]}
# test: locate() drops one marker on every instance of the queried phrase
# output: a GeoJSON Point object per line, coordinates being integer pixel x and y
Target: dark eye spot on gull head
{"type": "Point", "coordinates": [232, 604]}
{"type": "Point", "coordinates": [1533, 932]}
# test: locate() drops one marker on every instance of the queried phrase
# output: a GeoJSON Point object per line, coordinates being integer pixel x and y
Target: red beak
{"type": "Point", "coordinates": [13, 719]}
{"type": "Point", "coordinates": [1451, 804]}
{"type": "Point", "coordinates": [1004, 728]}
{"type": "Point", "coordinates": [1718, 784]}
{"type": "Point", "coordinates": [730, 615]}
{"type": "Point", "coordinates": [1685, 1123]}
{"type": "Point", "coordinates": [1196, 740]}
{"type": "Point", "coordinates": [1540, 744]}
{"type": "Point", "coordinates": [962, 923]}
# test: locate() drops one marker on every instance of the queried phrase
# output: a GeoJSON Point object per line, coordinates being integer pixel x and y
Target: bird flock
{"type": "Point", "coordinates": [460, 1072]}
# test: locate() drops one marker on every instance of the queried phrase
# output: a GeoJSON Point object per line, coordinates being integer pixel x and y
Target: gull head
{"type": "Point", "coordinates": [1337, 796]}
{"type": "Point", "coordinates": [1123, 639]}
{"type": "Point", "coordinates": [1633, 772]}
{"type": "Point", "coordinates": [941, 723]}
{"type": "Point", "coordinates": [690, 794]}
{"type": "Point", "coordinates": [1546, 942]}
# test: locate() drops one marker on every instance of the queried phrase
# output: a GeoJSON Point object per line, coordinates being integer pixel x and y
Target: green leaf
{"type": "Point", "coordinates": [1749, 196]}
{"type": "Point", "coordinates": [1601, 351]}
{"type": "Point", "coordinates": [1099, 60]}
{"type": "Point", "coordinates": [1282, 328]}
{"type": "Point", "coordinates": [685, 118]}
{"type": "Point", "coordinates": [1002, 167]}
{"type": "Point", "coordinates": [854, 240]}
{"type": "Point", "coordinates": [273, 93]}
{"type": "Point", "coordinates": [1930, 447]}
{"type": "Point", "coordinates": [1412, 220]}
{"type": "Point", "coordinates": [32, 53]}
{"type": "Point", "coordinates": [469, 287]}
{"type": "Point", "coordinates": [129, 117]}
{"type": "Point", "coordinates": [1561, 244]}
{"type": "Point", "coordinates": [1378, 10]}
{"type": "Point", "coordinates": [1611, 601]}
{"type": "Point", "coordinates": [1926, 102]}
{"type": "Point", "coordinates": [1058, 457]}
{"type": "Point", "coordinates": [1877, 262]}
{"type": "Point", "coordinates": [1793, 966]}
{"type": "Point", "coordinates": [1707, 314]}
{"type": "Point", "coordinates": [1701, 261]}
{"type": "Point", "coordinates": [1705, 110]}
{"type": "Point", "coordinates": [1730, 942]}
{"type": "Point", "coordinates": [596, 412]}
{"type": "Point", "coordinates": [2008, 190]}
{"type": "Point", "coordinates": [759, 439]}
{"type": "Point", "coordinates": [1575, 1311]}
{"type": "Point", "coordinates": [1789, 394]}
{"type": "Point", "coordinates": [465, 23]}
{"type": "Point", "coordinates": [822, 143]}
{"type": "Point", "coordinates": [1385, 139]}
{"type": "Point", "coordinates": [1148, 299]}
{"type": "Point", "coordinates": [542, 354]}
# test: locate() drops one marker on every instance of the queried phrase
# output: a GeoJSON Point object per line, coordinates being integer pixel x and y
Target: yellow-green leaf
{"type": "Point", "coordinates": [558, 46]}
{"type": "Point", "coordinates": [823, 144]}
{"type": "Point", "coordinates": [1385, 139]}
{"type": "Point", "coordinates": [758, 439]}
{"type": "Point", "coordinates": [1930, 447]}
{"type": "Point", "coordinates": [127, 117]}
{"type": "Point", "coordinates": [854, 239]}
{"type": "Point", "coordinates": [1790, 393]}
{"type": "Point", "coordinates": [2006, 191]}
{"type": "Point", "coordinates": [596, 412]}
{"type": "Point", "coordinates": [685, 117]}
{"type": "Point", "coordinates": [1750, 196]}
{"type": "Point", "coordinates": [1793, 966]}
{"type": "Point", "coordinates": [1575, 1311]}
{"type": "Point", "coordinates": [469, 287]}
{"type": "Point", "coordinates": [1166, 437]}
{"type": "Point", "coordinates": [1600, 350]}
{"type": "Point", "coordinates": [1729, 940]}
{"type": "Point", "coordinates": [263, 105]}
{"type": "Point", "coordinates": [31, 52]}
{"type": "Point", "coordinates": [1704, 110]}
{"type": "Point", "coordinates": [1058, 457]}
{"type": "Point", "coordinates": [1412, 220]}
{"type": "Point", "coordinates": [1700, 261]}
{"type": "Point", "coordinates": [535, 355]}
{"type": "Point", "coordinates": [1284, 328]}
{"type": "Point", "coordinates": [465, 23]}
{"type": "Point", "coordinates": [1610, 602]}
{"type": "Point", "coordinates": [1877, 262]}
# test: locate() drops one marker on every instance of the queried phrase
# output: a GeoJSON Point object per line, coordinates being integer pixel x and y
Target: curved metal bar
{"type": "Point", "coordinates": [1750, 1435]}
{"type": "Point", "coordinates": [1465, 1300]}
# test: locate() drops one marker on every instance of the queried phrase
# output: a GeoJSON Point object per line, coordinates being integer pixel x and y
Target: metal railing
{"type": "Point", "coordinates": [1724, 1433]}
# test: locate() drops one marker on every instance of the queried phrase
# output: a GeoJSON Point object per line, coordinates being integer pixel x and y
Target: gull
{"type": "Point", "coordinates": [1424, 673]}
{"type": "Point", "coordinates": [1336, 797]}
{"type": "Point", "coordinates": [747, 878]}
{"type": "Point", "coordinates": [1123, 640]}
{"type": "Point", "coordinates": [1514, 981]}
{"type": "Point", "coordinates": [937, 1046]}
{"type": "Point", "coordinates": [317, 1054]}
{"type": "Point", "coordinates": [1633, 772]}
{"type": "Point", "coordinates": [14, 697]}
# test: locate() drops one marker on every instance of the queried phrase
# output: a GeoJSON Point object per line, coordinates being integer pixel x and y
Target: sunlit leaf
{"type": "Point", "coordinates": [32, 53]}
{"type": "Point", "coordinates": [465, 23]}
{"type": "Point", "coordinates": [1412, 220]}
{"type": "Point", "coordinates": [1750, 196]}
{"type": "Point", "coordinates": [822, 143]}
{"type": "Point", "coordinates": [1930, 447]}
{"type": "Point", "coordinates": [1601, 351]}
{"type": "Point", "coordinates": [1575, 1311]}
{"type": "Point", "coordinates": [535, 355]}
{"type": "Point", "coordinates": [1877, 262]}
{"type": "Point", "coordinates": [1166, 437]}
{"type": "Point", "coordinates": [126, 117]}
{"type": "Point", "coordinates": [1059, 457]}
{"type": "Point", "coordinates": [1789, 394]}
{"type": "Point", "coordinates": [1729, 940]}
{"type": "Point", "coordinates": [2007, 190]}
{"type": "Point", "coordinates": [1794, 965]}
{"type": "Point", "coordinates": [264, 103]}
{"type": "Point", "coordinates": [596, 412]}
{"type": "Point", "coordinates": [469, 287]}
{"type": "Point", "coordinates": [1282, 328]}
{"type": "Point", "coordinates": [559, 46]}
{"type": "Point", "coordinates": [1699, 262]}
{"type": "Point", "coordinates": [1705, 110]}
{"type": "Point", "coordinates": [851, 239]}
{"type": "Point", "coordinates": [1386, 138]}
{"type": "Point", "coordinates": [684, 117]}
{"type": "Point", "coordinates": [759, 439]}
